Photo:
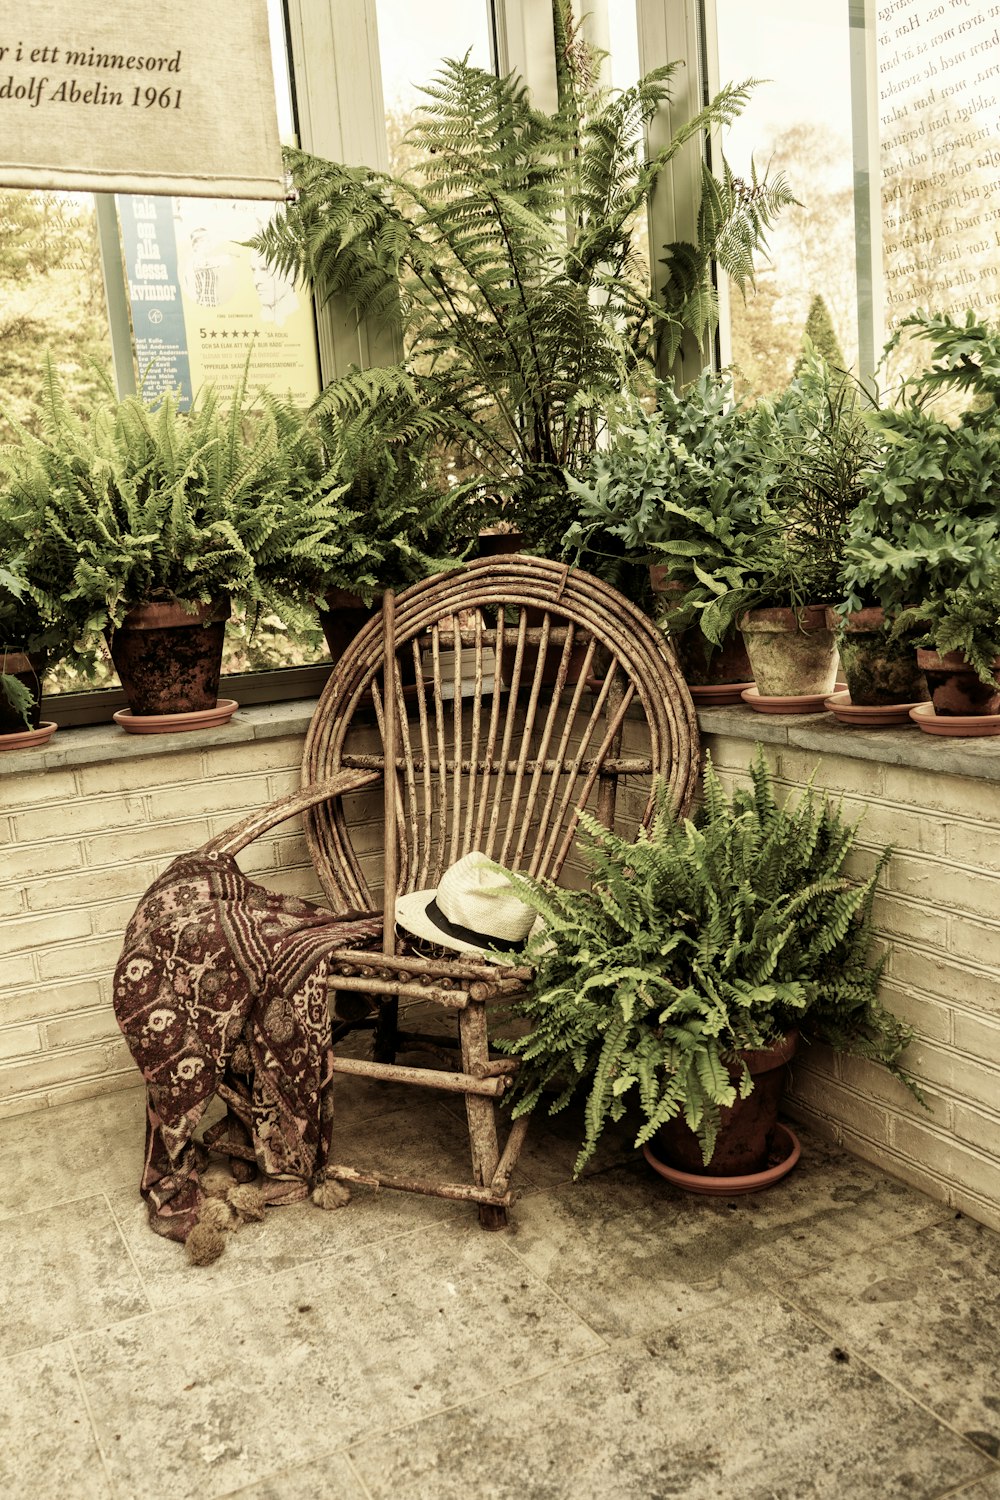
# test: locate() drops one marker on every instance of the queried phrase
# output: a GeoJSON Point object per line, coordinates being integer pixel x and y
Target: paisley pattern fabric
{"type": "Point", "coordinates": [221, 988]}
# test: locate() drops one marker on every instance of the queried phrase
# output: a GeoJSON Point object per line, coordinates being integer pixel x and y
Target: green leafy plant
{"type": "Point", "coordinates": [394, 515]}
{"type": "Point", "coordinates": [700, 939]}
{"type": "Point", "coordinates": [506, 264]}
{"type": "Point", "coordinates": [680, 482]}
{"type": "Point", "coordinates": [813, 450]}
{"type": "Point", "coordinates": [924, 539]}
{"type": "Point", "coordinates": [139, 503]}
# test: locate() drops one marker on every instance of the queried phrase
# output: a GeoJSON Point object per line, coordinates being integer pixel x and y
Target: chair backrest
{"type": "Point", "coordinates": [519, 686]}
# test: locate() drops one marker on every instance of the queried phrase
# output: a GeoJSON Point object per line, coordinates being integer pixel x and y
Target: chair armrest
{"type": "Point", "coordinates": [240, 834]}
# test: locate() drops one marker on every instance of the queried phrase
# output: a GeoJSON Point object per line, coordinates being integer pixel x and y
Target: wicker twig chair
{"type": "Point", "coordinates": [516, 683]}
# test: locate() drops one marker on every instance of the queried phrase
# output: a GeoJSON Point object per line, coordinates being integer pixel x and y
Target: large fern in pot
{"type": "Point", "coordinates": [507, 263]}
{"type": "Point", "coordinates": [700, 940]}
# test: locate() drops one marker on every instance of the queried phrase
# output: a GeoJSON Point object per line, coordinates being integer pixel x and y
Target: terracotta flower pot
{"type": "Point", "coordinates": [792, 652]}
{"type": "Point", "coordinates": [169, 658]}
{"type": "Point", "coordinates": [343, 617]}
{"type": "Point", "coordinates": [703, 664]}
{"type": "Point", "coordinates": [27, 667]}
{"type": "Point", "coordinates": [956, 688]}
{"type": "Point", "coordinates": [747, 1127]}
{"type": "Point", "coordinates": [879, 672]}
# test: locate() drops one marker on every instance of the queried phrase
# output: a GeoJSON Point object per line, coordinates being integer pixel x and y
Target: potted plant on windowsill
{"type": "Point", "coordinates": [925, 539]}
{"type": "Point", "coordinates": [813, 449]}
{"type": "Point", "coordinates": [504, 261]}
{"type": "Point", "coordinates": [700, 946]}
{"type": "Point", "coordinates": [144, 524]}
{"type": "Point", "coordinates": [379, 516]}
{"type": "Point", "coordinates": [675, 492]}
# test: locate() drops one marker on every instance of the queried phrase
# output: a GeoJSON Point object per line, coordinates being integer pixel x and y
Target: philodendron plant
{"type": "Point", "coordinates": [699, 940]}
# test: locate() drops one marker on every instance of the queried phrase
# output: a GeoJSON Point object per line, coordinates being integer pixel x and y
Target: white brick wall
{"type": "Point", "coordinates": [940, 913]}
{"type": "Point", "coordinates": [79, 843]}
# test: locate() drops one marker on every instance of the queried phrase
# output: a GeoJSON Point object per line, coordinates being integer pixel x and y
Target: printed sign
{"type": "Point", "coordinates": [175, 98]}
{"type": "Point", "coordinates": [205, 307]}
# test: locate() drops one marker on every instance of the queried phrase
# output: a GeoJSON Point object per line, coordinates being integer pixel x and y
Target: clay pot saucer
{"type": "Point", "coordinates": [869, 715]}
{"type": "Point", "coordinates": [24, 739]}
{"type": "Point", "coordinates": [804, 703]}
{"type": "Point", "coordinates": [786, 1143]}
{"type": "Point", "coordinates": [198, 718]}
{"type": "Point", "coordinates": [717, 694]}
{"type": "Point", "coordinates": [954, 726]}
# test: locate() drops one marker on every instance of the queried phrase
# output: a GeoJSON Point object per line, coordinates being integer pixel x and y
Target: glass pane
{"type": "Point", "coordinates": [413, 40]}
{"type": "Point", "coordinates": [939, 131]}
{"type": "Point", "coordinates": [798, 123]}
{"type": "Point", "coordinates": [51, 295]}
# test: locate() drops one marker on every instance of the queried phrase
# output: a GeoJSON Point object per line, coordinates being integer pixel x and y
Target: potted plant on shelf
{"type": "Point", "coordinates": [685, 975]}
{"type": "Point", "coordinates": [813, 449]}
{"type": "Point", "coordinates": [925, 538]}
{"type": "Point", "coordinates": [676, 492]}
{"type": "Point", "coordinates": [505, 263]}
{"type": "Point", "coordinates": [21, 666]}
{"type": "Point", "coordinates": [146, 523]}
{"type": "Point", "coordinates": [380, 514]}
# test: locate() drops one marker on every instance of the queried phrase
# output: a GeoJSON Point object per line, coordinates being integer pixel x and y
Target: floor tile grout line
{"type": "Point", "coordinates": [42, 1208]}
{"type": "Point", "coordinates": [90, 1418]}
{"type": "Point", "coordinates": [870, 1364]}
{"type": "Point", "coordinates": [188, 1295]}
{"type": "Point", "coordinates": [356, 1473]}
{"type": "Point", "coordinates": [128, 1251]}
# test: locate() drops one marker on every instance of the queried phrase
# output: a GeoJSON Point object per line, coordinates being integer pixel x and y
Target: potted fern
{"type": "Point", "coordinates": [381, 515]}
{"type": "Point", "coordinates": [505, 263]}
{"type": "Point", "coordinates": [683, 977]}
{"type": "Point", "coordinates": [925, 538]}
{"type": "Point", "coordinates": [21, 669]}
{"type": "Point", "coordinates": [143, 523]}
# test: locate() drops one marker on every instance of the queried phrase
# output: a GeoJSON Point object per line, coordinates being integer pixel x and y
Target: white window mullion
{"type": "Point", "coordinates": [341, 116]}
{"type": "Point", "coordinates": [669, 31]}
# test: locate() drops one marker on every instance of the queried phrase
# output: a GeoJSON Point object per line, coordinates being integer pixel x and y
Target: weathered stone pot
{"type": "Point", "coordinates": [956, 688]}
{"type": "Point", "coordinates": [746, 1130]}
{"type": "Point", "coordinates": [27, 667]}
{"type": "Point", "coordinates": [793, 652]}
{"type": "Point", "coordinates": [168, 657]}
{"type": "Point", "coordinates": [879, 671]}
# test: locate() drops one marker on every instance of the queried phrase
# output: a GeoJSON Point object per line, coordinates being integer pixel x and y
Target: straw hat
{"type": "Point", "coordinates": [473, 909]}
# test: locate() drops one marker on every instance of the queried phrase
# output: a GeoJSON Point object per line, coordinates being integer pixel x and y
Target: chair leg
{"type": "Point", "coordinates": [480, 1112]}
{"type": "Point", "coordinates": [386, 1030]}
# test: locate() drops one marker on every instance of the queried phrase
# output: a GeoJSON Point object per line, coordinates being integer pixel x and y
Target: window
{"type": "Point", "coordinates": [808, 284]}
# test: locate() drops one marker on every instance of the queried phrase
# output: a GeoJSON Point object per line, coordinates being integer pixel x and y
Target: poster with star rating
{"type": "Point", "coordinates": [205, 307]}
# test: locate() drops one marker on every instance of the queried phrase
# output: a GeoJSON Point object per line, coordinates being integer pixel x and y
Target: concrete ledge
{"type": "Point", "coordinates": [817, 732]}
{"type": "Point", "coordinates": [106, 742]}
{"type": "Point", "coordinates": [824, 735]}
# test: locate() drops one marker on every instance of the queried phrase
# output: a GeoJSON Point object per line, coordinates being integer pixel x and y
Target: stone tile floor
{"type": "Point", "coordinates": [837, 1337]}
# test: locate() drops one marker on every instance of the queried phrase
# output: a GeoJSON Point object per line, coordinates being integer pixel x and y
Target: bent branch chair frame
{"type": "Point", "coordinates": [500, 694]}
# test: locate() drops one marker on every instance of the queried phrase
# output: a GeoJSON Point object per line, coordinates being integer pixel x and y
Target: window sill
{"type": "Point", "coordinates": [820, 733]}
{"type": "Point", "coordinates": [106, 743]}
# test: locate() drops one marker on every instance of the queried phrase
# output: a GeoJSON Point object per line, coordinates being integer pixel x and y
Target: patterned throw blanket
{"type": "Point", "coordinates": [221, 989]}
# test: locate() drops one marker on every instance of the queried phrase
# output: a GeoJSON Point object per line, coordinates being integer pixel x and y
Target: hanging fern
{"type": "Point", "coordinates": [695, 941]}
